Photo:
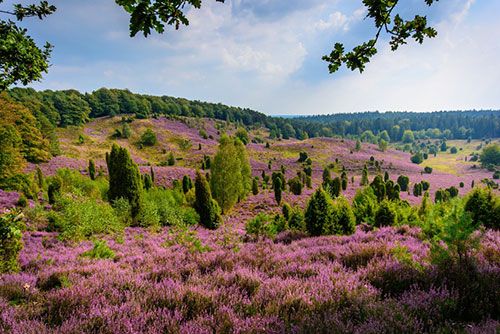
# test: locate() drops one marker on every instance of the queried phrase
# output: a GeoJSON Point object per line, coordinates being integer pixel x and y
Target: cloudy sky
{"type": "Point", "coordinates": [266, 55]}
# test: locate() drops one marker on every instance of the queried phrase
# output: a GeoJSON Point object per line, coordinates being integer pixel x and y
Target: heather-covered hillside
{"type": "Point", "coordinates": [87, 264]}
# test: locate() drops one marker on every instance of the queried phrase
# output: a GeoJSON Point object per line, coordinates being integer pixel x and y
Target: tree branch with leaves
{"type": "Point", "coordinates": [21, 60]}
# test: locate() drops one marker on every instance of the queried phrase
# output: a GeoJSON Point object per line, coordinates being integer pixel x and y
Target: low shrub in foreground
{"type": "Point", "coordinates": [100, 250]}
{"type": "Point", "coordinates": [81, 218]}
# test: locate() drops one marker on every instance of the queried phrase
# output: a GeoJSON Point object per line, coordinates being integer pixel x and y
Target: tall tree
{"type": "Point", "coordinates": [205, 205]}
{"type": "Point", "coordinates": [124, 178]}
{"type": "Point", "coordinates": [226, 177]}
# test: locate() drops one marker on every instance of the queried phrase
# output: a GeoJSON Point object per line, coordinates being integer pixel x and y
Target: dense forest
{"type": "Point", "coordinates": [440, 124]}
{"type": "Point", "coordinates": [70, 107]}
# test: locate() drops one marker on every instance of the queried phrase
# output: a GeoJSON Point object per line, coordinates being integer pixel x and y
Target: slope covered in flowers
{"type": "Point", "coordinates": [355, 284]}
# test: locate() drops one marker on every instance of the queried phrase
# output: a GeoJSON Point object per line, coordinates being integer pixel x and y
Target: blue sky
{"type": "Point", "coordinates": [266, 55]}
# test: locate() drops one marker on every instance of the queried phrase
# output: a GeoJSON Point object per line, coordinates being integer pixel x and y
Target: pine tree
{"type": "Point", "coordinates": [345, 180]}
{"type": "Point", "coordinates": [124, 178]}
{"type": "Point", "coordinates": [364, 177]}
{"type": "Point", "coordinates": [205, 205]}
{"type": "Point", "coordinates": [318, 214]}
{"type": "Point", "coordinates": [286, 210]}
{"type": "Point", "coordinates": [152, 173]}
{"type": "Point", "coordinates": [326, 177]}
{"type": "Point", "coordinates": [379, 189]}
{"type": "Point", "coordinates": [91, 169]}
{"type": "Point", "coordinates": [255, 186]}
{"type": "Point", "coordinates": [39, 177]}
{"type": "Point", "coordinates": [171, 159]}
{"type": "Point", "coordinates": [277, 189]}
{"type": "Point", "coordinates": [386, 176]}
{"type": "Point", "coordinates": [147, 182]}
{"type": "Point", "coordinates": [335, 187]}
{"type": "Point", "coordinates": [54, 189]}
{"type": "Point", "coordinates": [187, 184]}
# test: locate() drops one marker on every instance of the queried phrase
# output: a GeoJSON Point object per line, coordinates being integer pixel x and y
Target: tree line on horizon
{"type": "Point", "coordinates": [70, 107]}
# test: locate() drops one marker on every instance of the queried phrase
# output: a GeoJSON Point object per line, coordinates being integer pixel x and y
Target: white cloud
{"type": "Point", "coordinates": [232, 53]}
{"type": "Point", "coordinates": [335, 20]}
{"type": "Point", "coordinates": [457, 70]}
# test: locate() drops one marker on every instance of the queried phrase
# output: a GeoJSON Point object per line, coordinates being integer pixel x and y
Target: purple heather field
{"type": "Point", "coordinates": [293, 284]}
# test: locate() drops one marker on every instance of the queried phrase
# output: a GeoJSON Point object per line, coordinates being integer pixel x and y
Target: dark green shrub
{"type": "Point", "coordinates": [10, 240]}
{"type": "Point", "coordinates": [392, 190]}
{"type": "Point", "coordinates": [187, 184]}
{"type": "Point", "coordinates": [91, 169]}
{"type": "Point", "coordinates": [425, 185]}
{"type": "Point", "coordinates": [441, 196]}
{"type": "Point", "coordinates": [484, 207]}
{"type": "Point", "coordinates": [326, 217]}
{"type": "Point", "coordinates": [124, 178]}
{"type": "Point", "coordinates": [148, 138]}
{"type": "Point", "coordinates": [335, 187]}
{"type": "Point", "coordinates": [242, 135]}
{"type": "Point", "coordinates": [318, 214]}
{"type": "Point", "coordinates": [303, 157]}
{"type": "Point", "coordinates": [327, 178]}
{"type": "Point", "coordinates": [171, 159]}
{"type": "Point", "coordinates": [428, 170]}
{"type": "Point", "coordinates": [277, 186]}
{"type": "Point", "coordinates": [286, 210]}
{"type": "Point", "coordinates": [308, 182]}
{"type": "Point", "coordinates": [22, 201]}
{"type": "Point", "coordinates": [205, 205]}
{"type": "Point", "coordinates": [126, 131]}
{"type": "Point", "coordinates": [490, 155]}
{"type": "Point", "coordinates": [39, 178]}
{"type": "Point", "coordinates": [54, 189]}
{"type": "Point", "coordinates": [308, 170]}
{"type": "Point", "coordinates": [147, 182]}
{"type": "Point", "coordinates": [403, 182]}
{"type": "Point", "coordinates": [417, 158]}
{"type": "Point", "coordinates": [255, 186]}
{"type": "Point", "coordinates": [295, 185]}
{"type": "Point", "coordinates": [386, 215]}
{"type": "Point", "coordinates": [417, 189]}
{"type": "Point", "coordinates": [452, 191]}
{"type": "Point", "coordinates": [378, 187]}
{"type": "Point", "coordinates": [364, 177]}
